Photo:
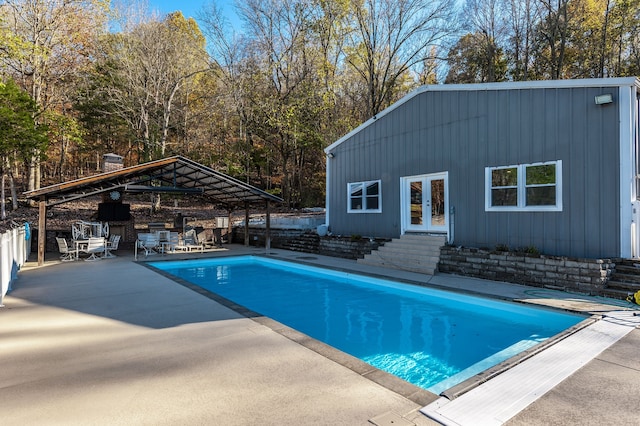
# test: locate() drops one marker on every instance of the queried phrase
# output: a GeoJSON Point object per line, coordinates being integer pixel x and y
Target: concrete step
{"type": "Point", "coordinates": [410, 252]}
{"type": "Point", "coordinates": [417, 250]}
{"type": "Point", "coordinates": [414, 236]}
{"type": "Point", "coordinates": [404, 257]}
{"type": "Point", "coordinates": [422, 269]}
{"type": "Point", "coordinates": [419, 241]}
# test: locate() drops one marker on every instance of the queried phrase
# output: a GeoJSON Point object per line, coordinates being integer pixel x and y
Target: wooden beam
{"type": "Point", "coordinates": [141, 168]}
{"type": "Point", "coordinates": [42, 230]}
{"type": "Point", "coordinates": [246, 223]}
{"type": "Point", "coordinates": [267, 235]}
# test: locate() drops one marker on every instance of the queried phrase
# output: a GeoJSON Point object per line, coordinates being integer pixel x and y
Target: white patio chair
{"type": "Point", "coordinates": [190, 241]}
{"type": "Point", "coordinates": [207, 238]}
{"type": "Point", "coordinates": [95, 246]}
{"type": "Point", "coordinates": [112, 245]}
{"type": "Point", "coordinates": [169, 241]}
{"type": "Point", "coordinates": [148, 242]}
{"type": "Point", "coordinates": [67, 254]}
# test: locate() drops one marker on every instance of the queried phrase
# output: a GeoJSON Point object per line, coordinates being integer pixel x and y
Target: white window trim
{"type": "Point", "coordinates": [521, 187]}
{"type": "Point", "coordinates": [364, 197]}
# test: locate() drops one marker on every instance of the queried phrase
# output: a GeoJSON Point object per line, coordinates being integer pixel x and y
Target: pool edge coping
{"type": "Point", "coordinates": [387, 380]}
{"type": "Point", "coordinates": [400, 386]}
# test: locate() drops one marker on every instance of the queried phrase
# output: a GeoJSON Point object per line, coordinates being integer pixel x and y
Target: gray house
{"type": "Point", "coordinates": [548, 164]}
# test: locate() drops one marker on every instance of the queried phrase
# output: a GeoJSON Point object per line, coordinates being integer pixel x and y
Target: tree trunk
{"type": "Point", "coordinates": [156, 202]}
{"type": "Point", "coordinates": [3, 209]}
{"type": "Point", "coordinates": [63, 154]}
{"type": "Point", "coordinates": [603, 46]}
{"type": "Point", "coordinates": [32, 175]}
{"type": "Point", "coordinates": [14, 192]}
{"type": "Point", "coordinates": [166, 116]}
{"type": "Point", "coordinates": [31, 183]}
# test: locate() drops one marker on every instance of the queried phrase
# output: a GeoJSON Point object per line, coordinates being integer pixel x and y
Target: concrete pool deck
{"type": "Point", "coordinates": [99, 343]}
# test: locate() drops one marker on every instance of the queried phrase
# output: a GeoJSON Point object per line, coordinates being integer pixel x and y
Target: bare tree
{"type": "Point", "coordinates": [390, 38]}
{"type": "Point", "coordinates": [553, 34]}
{"type": "Point", "coordinates": [284, 68]}
{"type": "Point", "coordinates": [484, 18]}
{"type": "Point", "coordinates": [522, 17]}
{"type": "Point", "coordinates": [144, 69]}
{"type": "Point", "coordinates": [229, 53]}
{"type": "Point", "coordinates": [57, 40]}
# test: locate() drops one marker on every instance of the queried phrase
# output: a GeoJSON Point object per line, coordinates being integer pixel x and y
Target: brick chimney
{"type": "Point", "coordinates": [111, 162]}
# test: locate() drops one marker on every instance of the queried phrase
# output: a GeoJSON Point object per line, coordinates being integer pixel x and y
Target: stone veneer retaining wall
{"type": "Point", "coordinates": [583, 275]}
{"type": "Point", "coordinates": [346, 248]}
{"type": "Point", "coordinates": [309, 242]}
{"type": "Point", "coordinates": [562, 273]}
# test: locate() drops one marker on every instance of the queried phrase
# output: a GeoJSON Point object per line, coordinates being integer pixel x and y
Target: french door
{"type": "Point", "coordinates": [425, 203]}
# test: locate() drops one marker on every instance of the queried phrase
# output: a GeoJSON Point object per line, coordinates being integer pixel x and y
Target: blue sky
{"type": "Point", "coordinates": [190, 8]}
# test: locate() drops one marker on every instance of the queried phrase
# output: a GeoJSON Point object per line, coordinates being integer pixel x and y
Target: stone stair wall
{"type": "Point", "coordinates": [625, 280]}
{"type": "Point", "coordinates": [411, 252]}
{"type": "Point", "coordinates": [427, 254]}
{"type": "Point", "coordinates": [308, 241]}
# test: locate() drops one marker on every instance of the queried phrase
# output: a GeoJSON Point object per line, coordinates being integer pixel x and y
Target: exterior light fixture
{"type": "Point", "coordinates": [604, 99]}
{"type": "Point", "coordinates": [330, 155]}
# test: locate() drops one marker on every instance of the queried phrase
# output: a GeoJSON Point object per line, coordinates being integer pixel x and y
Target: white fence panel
{"type": "Point", "coordinates": [15, 247]}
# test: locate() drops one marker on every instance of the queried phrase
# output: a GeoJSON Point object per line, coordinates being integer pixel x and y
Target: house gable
{"type": "Point", "coordinates": [463, 130]}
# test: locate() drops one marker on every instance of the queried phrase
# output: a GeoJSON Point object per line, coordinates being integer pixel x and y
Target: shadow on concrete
{"type": "Point", "coordinates": [119, 289]}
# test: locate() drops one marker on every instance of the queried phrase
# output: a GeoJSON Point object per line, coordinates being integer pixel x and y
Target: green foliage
{"type": "Point", "coordinates": [19, 134]}
{"type": "Point", "coordinates": [476, 59]}
{"type": "Point", "coordinates": [304, 73]}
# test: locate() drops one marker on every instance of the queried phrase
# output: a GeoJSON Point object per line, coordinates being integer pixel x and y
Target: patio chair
{"type": "Point", "coordinates": [190, 241]}
{"type": "Point", "coordinates": [164, 241]}
{"type": "Point", "coordinates": [95, 246]}
{"type": "Point", "coordinates": [112, 245]}
{"type": "Point", "coordinates": [148, 242]}
{"type": "Point", "coordinates": [207, 238]}
{"type": "Point", "coordinates": [67, 254]}
{"type": "Point", "coordinates": [170, 243]}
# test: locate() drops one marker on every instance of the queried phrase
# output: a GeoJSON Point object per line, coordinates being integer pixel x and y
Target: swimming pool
{"type": "Point", "coordinates": [432, 338]}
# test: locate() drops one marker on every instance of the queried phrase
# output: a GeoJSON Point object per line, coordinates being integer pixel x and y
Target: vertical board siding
{"type": "Point", "coordinates": [463, 132]}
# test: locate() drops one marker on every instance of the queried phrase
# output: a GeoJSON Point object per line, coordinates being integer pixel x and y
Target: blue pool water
{"type": "Point", "coordinates": [432, 338]}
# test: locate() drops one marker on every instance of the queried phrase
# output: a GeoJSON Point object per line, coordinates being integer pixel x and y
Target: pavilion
{"type": "Point", "coordinates": [176, 174]}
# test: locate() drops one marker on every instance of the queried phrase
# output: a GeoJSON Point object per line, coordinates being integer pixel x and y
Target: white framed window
{"type": "Point", "coordinates": [524, 187]}
{"type": "Point", "coordinates": [364, 197]}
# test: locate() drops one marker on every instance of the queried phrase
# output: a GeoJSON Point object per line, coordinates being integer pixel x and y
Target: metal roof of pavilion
{"type": "Point", "coordinates": [171, 175]}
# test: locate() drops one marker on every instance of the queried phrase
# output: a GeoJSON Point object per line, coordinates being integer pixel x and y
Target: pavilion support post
{"type": "Point", "coordinates": [229, 226]}
{"type": "Point", "coordinates": [42, 230]}
{"type": "Point", "coordinates": [246, 224]}
{"type": "Point", "coordinates": [267, 234]}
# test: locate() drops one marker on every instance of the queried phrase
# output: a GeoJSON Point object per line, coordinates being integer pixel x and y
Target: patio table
{"type": "Point", "coordinates": [80, 245]}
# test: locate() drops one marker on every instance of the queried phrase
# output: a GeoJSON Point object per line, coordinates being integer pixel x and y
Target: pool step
{"type": "Point", "coordinates": [415, 253]}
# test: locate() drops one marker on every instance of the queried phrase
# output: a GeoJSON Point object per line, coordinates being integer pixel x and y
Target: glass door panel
{"type": "Point", "coordinates": [416, 198]}
{"type": "Point", "coordinates": [437, 203]}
